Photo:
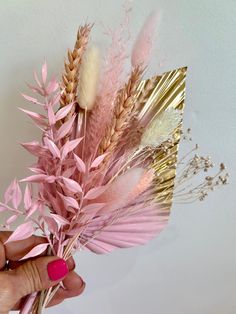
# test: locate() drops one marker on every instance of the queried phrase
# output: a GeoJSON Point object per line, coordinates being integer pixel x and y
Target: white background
{"type": "Point", "coordinates": [191, 267]}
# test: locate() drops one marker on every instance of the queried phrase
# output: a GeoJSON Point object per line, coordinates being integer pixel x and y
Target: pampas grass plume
{"type": "Point", "coordinates": [89, 76]}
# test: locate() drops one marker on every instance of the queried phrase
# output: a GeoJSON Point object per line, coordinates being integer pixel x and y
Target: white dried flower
{"type": "Point", "coordinates": [161, 128]}
{"type": "Point", "coordinates": [89, 76]}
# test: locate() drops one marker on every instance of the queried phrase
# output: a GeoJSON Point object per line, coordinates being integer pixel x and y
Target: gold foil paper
{"type": "Point", "coordinates": [157, 94]}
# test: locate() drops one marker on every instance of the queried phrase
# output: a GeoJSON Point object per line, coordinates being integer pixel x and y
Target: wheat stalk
{"type": "Point", "coordinates": [125, 106]}
{"type": "Point", "coordinates": [133, 132]}
{"type": "Point", "coordinates": [69, 84]}
{"type": "Point", "coordinates": [146, 92]}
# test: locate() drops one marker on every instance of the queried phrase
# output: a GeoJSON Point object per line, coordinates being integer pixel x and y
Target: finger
{"type": "Point", "coordinates": [39, 274]}
{"type": "Point", "coordinates": [17, 249]}
{"type": "Point", "coordinates": [22, 278]}
{"type": "Point", "coordinates": [74, 286]}
{"type": "Point", "coordinates": [55, 301]}
{"type": "Point", "coordinates": [14, 264]}
{"type": "Point", "coordinates": [71, 263]}
{"type": "Point", "coordinates": [34, 275]}
{"type": "Point", "coordinates": [19, 304]}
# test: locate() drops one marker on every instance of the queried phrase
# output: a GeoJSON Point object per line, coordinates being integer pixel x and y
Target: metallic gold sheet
{"type": "Point", "coordinates": [156, 95]}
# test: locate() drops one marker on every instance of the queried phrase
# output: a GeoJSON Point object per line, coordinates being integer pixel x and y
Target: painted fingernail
{"type": "Point", "coordinates": [57, 269]}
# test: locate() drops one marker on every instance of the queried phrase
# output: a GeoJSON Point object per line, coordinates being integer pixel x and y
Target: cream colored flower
{"type": "Point", "coordinates": [161, 128]}
{"type": "Point", "coordinates": [89, 76]}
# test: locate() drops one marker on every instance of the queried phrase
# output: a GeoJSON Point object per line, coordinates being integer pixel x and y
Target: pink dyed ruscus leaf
{"type": "Point", "coordinates": [69, 146]}
{"type": "Point", "coordinates": [95, 192]}
{"type": "Point", "coordinates": [22, 232]}
{"type": "Point", "coordinates": [37, 250]}
{"type": "Point", "coordinates": [51, 115]}
{"type": "Point", "coordinates": [65, 128]}
{"type": "Point", "coordinates": [52, 147]}
{"type": "Point", "coordinates": [52, 87]}
{"type": "Point", "coordinates": [27, 197]}
{"type": "Point", "coordinates": [69, 201]}
{"type": "Point", "coordinates": [44, 72]}
{"type": "Point", "coordinates": [98, 160]}
{"type": "Point", "coordinates": [63, 112]}
{"type": "Point", "coordinates": [11, 219]}
{"type": "Point", "coordinates": [31, 99]}
{"type": "Point", "coordinates": [61, 221]}
{"type": "Point", "coordinates": [13, 193]}
{"type": "Point", "coordinates": [72, 185]}
{"type": "Point", "coordinates": [80, 164]}
{"type": "Point", "coordinates": [38, 118]}
{"type": "Point", "coordinates": [35, 178]}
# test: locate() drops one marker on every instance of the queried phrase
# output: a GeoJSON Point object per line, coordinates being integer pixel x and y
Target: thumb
{"type": "Point", "coordinates": [33, 275]}
{"type": "Point", "coordinates": [39, 274]}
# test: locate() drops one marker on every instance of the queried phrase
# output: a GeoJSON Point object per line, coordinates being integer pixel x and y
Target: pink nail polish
{"type": "Point", "coordinates": [57, 269]}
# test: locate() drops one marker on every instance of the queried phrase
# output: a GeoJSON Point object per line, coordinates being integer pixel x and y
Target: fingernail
{"type": "Point", "coordinates": [57, 269]}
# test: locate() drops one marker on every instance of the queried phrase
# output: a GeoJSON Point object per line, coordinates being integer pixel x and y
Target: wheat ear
{"type": "Point", "coordinates": [125, 106]}
{"type": "Point", "coordinates": [69, 84]}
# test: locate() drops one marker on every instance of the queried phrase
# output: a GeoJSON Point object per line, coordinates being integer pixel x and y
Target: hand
{"type": "Point", "coordinates": [25, 277]}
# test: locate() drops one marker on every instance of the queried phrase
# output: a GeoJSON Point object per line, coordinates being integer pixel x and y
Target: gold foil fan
{"type": "Point", "coordinates": [156, 95]}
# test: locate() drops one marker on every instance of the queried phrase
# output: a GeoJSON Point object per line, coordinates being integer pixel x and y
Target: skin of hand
{"type": "Point", "coordinates": [25, 277]}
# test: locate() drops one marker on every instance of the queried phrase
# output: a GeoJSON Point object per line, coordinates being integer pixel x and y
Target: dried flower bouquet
{"type": "Point", "coordinates": [106, 166]}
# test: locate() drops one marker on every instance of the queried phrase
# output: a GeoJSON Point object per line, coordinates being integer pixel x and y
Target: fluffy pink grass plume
{"type": "Point", "coordinates": [143, 45]}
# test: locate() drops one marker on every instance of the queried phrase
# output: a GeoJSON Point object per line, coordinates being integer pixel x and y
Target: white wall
{"type": "Point", "coordinates": [191, 267]}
